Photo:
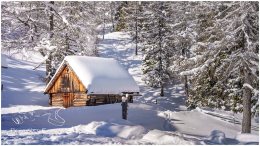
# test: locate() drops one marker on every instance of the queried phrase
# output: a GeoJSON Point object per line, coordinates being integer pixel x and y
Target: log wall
{"type": "Point", "coordinates": [82, 99]}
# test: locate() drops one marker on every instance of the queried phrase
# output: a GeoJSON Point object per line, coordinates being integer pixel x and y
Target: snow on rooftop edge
{"type": "Point", "coordinates": [100, 75]}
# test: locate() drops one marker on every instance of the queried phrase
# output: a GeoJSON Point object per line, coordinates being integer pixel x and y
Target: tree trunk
{"type": "Point", "coordinates": [160, 51]}
{"type": "Point", "coordinates": [246, 122]}
{"type": "Point", "coordinates": [50, 99]}
{"type": "Point", "coordinates": [112, 16]}
{"type": "Point", "coordinates": [51, 20]}
{"type": "Point", "coordinates": [244, 71]}
{"type": "Point", "coordinates": [162, 91]}
{"type": "Point", "coordinates": [67, 43]}
{"type": "Point", "coordinates": [136, 32]}
{"type": "Point", "coordinates": [48, 69]}
{"type": "Point", "coordinates": [186, 86]}
{"type": "Point", "coordinates": [49, 60]}
{"type": "Point", "coordinates": [104, 25]}
{"type": "Point", "coordinates": [94, 7]}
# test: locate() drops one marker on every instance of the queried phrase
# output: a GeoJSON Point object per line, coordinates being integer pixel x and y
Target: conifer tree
{"type": "Point", "coordinates": [156, 46]}
{"type": "Point", "coordinates": [133, 21]}
{"type": "Point", "coordinates": [120, 16]}
{"type": "Point", "coordinates": [54, 29]}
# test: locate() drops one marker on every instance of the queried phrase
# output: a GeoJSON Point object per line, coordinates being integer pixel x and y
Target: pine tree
{"type": "Point", "coordinates": [120, 16]}
{"type": "Point", "coordinates": [223, 67]}
{"type": "Point", "coordinates": [133, 21]}
{"type": "Point", "coordinates": [243, 29]}
{"type": "Point", "coordinates": [54, 29]}
{"type": "Point", "coordinates": [183, 34]}
{"type": "Point", "coordinates": [156, 45]}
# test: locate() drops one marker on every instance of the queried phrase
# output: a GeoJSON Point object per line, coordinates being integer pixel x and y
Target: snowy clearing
{"type": "Point", "coordinates": [27, 118]}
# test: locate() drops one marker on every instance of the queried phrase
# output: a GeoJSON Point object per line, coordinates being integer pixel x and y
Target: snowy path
{"type": "Point", "coordinates": [172, 107]}
{"type": "Point", "coordinates": [119, 45]}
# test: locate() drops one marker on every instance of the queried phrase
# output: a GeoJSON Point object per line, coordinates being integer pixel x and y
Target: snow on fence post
{"type": "Point", "coordinates": [124, 106]}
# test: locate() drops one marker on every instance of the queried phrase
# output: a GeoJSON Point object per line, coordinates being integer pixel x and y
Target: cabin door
{"type": "Point", "coordinates": [68, 99]}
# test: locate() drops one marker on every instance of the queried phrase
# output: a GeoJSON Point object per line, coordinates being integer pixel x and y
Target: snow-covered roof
{"type": "Point", "coordinates": [99, 75]}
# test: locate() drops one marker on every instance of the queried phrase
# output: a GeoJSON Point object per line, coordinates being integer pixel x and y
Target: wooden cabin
{"type": "Point", "coordinates": [84, 81]}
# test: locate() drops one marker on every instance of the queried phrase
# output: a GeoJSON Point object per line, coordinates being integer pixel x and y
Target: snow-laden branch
{"type": "Point", "coordinates": [253, 90]}
{"type": "Point", "coordinates": [197, 69]}
{"type": "Point", "coordinates": [42, 62]}
{"type": "Point", "coordinates": [246, 85]}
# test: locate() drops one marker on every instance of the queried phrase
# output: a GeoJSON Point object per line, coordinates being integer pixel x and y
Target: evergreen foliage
{"type": "Point", "coordinates": [156, 45]}
{"type": "Point", "coordinates": [55, 29]}
{"type": "Point", "coordinates": [212, 46]}
{"type": "Point", "coordinates": [120, 16]}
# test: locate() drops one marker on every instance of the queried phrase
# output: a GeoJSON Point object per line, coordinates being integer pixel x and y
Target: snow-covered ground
{"type": "Point", "coordinates": [26, 117]}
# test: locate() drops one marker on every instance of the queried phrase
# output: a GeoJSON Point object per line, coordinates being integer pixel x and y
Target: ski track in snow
{"type": "Point", "coordinates": [52, 118]}
{"type": "Point", "coordinates": [57, 120]}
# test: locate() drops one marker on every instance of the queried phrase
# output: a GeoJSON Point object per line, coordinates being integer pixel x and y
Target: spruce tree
{"type": "Point", "coordinates": [133, 21]}
{"type": "Point", "coordinates": [54, 29]}
{"type": "Point", "coordinates": [156, 45]}
{"type": "Point", "coordinates": [120, 16]}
